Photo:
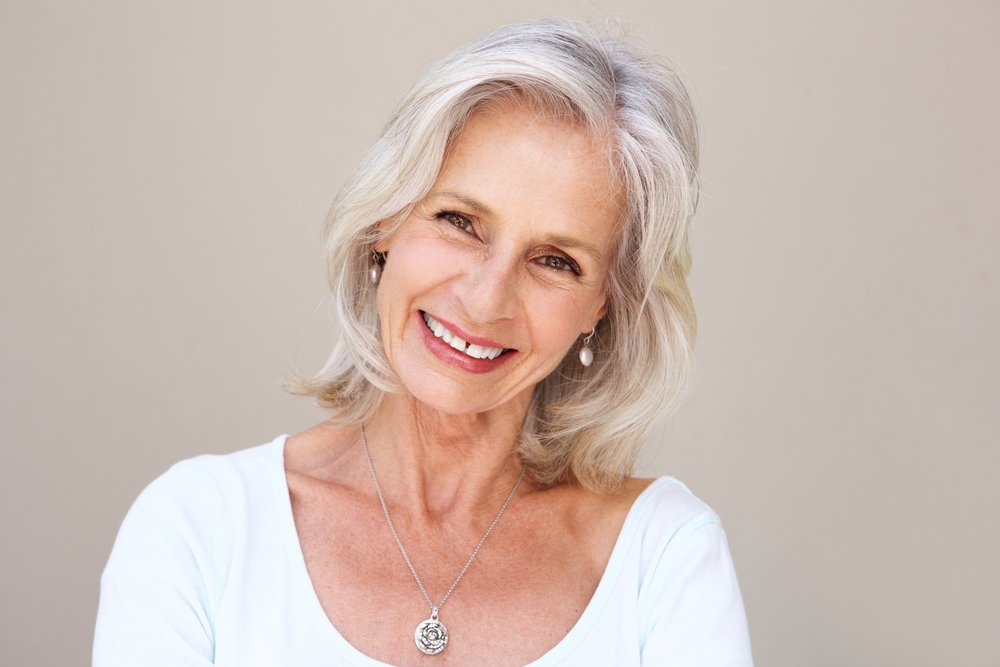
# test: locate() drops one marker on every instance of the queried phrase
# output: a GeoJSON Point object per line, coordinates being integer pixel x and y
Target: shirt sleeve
{"type": "Point", "coordinates": [159, 588]}
{"type": "Point", "coordinates": [694, 615]}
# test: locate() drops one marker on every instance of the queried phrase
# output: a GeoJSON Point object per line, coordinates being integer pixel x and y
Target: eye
{"type": "Point", "coordinates": [457, 220]}
{"type": "Point", "coordinates": [559, 263]}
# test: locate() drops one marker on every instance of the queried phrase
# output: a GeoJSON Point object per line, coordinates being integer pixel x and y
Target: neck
{"type": "Point", "coordinates": [439, 466]}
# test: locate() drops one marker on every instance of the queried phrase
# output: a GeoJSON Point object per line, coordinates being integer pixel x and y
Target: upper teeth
{"type": "Point", "coordinates": [471, 349]}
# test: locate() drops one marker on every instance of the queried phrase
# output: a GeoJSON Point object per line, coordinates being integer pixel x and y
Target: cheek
{"type": "Point", "coordinates": [415, 265]}
{"type": "Point", "coordinates": [556, 318]}
{"type": "Point", "coordinates": [430, 256]}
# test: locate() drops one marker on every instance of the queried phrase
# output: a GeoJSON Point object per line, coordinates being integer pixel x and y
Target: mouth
{"type": "Point", "coordinates": [472, 350]}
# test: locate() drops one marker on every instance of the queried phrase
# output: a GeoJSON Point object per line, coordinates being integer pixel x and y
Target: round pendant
{"type": "Point", "coordinates": [431, 636]}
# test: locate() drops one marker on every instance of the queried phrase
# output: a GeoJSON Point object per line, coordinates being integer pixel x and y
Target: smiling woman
{"type": "Point", "coordinates": [630, 116]}
{"type": "Point", "coordinates": [509, 266]}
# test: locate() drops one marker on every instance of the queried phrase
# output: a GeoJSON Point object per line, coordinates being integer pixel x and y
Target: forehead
{"type": "Point", "coordinates": [537, 169]}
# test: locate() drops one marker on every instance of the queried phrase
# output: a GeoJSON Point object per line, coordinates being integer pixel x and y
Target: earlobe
{"type": "Point", "coordinates": [381, 243]}
{"type": "Point", "coordinates": [598, 316]}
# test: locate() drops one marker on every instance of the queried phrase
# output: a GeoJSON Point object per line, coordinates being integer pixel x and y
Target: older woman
{"type": "Point", "coordinates": [509, 268]}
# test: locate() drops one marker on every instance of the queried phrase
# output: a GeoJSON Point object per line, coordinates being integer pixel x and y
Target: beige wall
{"type": "Point", "coordinates": [166, 167]}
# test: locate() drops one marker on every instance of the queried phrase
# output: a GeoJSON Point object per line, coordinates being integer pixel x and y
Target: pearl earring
{"type": "Point", "coordinates": [587, 354]}
{"type": "Point", "coordinates": [375, 271]}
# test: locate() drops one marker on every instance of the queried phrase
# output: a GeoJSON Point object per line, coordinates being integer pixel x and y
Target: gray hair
{"type": "Point", "coordinates": [583, 424]}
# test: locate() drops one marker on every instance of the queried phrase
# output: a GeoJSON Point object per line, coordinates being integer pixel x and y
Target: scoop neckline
{"type": "Point", "coordinates": [318, 617]}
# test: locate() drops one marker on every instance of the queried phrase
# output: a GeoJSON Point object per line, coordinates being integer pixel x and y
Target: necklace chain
{"type": "Point", "coordinates": [399, 543]}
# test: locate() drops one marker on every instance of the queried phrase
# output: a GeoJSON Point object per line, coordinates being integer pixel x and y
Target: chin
{"type": "Point", "coordinates": [450, 398]}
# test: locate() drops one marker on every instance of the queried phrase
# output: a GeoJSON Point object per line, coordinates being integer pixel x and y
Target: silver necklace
{"type": "Point", "coordinates": [431, 636]}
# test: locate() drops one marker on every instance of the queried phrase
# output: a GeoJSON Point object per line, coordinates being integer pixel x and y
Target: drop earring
{"type": "Point", "coordinates": [587, 354]}
{"type": "Point", "coordinates": [375, 271]}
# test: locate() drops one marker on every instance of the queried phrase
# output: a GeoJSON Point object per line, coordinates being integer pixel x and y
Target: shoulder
{"type": "Point", "coordinates": [320, 451]}
{"type": "Point", "coordinates": [170, 562]}
{"type": "Point", "coordinates": [654, 511]}
{"type": "Point", "coordinates": [639, 517]}
{"type": "Point", "coordinates": [210, 478]}
{"type": "Point", "coordinates": [689, 597]}
{"type": "Point", "coordinates": [195, 504]}
{"type": "Point", "coordinates": [665, 519]}
{"type": "Point", "coordinates": [667, 507]}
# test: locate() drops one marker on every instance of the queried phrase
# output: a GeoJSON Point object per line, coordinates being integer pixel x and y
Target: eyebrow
{"type": "Point", "coordinates": [571, 243]}
{"type": "Point", "coordinates": [474, 204]}
{"type": "Point", "coordinates": [552, 239]}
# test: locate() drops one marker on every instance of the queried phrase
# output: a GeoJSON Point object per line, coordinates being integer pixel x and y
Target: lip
{"type": "Point", "coordinates": [461, 333]}
{"type": "Point", "coordinates": [453, 357]}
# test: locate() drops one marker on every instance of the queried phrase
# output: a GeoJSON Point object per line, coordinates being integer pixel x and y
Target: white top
{"type": "Point", "coordinates": [207, 569]}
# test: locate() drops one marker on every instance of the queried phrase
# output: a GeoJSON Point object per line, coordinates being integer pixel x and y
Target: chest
{"type": "Point", "coordinates": [523, 592]}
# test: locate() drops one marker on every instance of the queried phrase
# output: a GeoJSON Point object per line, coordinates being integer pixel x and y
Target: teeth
{"type": "Point", "coordinates": [473, 350]}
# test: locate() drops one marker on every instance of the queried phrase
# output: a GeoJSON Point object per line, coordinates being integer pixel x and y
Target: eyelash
{"type": "Point", "coordinates": [569, 265]}
{"type": "Point", "coordinates": [458, 221]}
{"type": "Point", "coordinates": [463, 224]}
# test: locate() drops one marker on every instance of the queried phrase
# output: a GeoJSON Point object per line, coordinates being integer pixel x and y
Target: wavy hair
{"type": "Point", "coordinates": [584, 425]}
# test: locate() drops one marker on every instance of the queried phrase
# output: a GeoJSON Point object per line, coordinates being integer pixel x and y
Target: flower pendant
{"type": "Point", "coordinates": [431, 636]}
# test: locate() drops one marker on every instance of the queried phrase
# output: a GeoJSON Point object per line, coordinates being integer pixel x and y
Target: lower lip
{"type": "Point", "coordinates": [453, 357]}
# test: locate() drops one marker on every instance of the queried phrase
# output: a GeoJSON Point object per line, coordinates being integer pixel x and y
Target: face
{"type": "Point", "coordinates": [498, 271]}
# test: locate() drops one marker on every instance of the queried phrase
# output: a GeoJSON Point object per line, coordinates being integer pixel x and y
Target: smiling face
{"type": "Point", "coordinates": [495, 273]}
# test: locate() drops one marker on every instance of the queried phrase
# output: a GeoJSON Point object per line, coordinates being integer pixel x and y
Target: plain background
{"type": "Point", "coordinates": [167, 167]}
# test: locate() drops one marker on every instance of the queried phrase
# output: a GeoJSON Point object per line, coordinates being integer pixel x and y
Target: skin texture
{"type": "Point", "coordinates": [511, 248]}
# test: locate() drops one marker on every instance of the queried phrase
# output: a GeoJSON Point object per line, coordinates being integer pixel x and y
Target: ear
{"type": "Point", "coordinates": [382, 242]}
{"type": "Point", "coordinates": [381, 236]}
{"type": "Point", "coordinates": [597, 316]}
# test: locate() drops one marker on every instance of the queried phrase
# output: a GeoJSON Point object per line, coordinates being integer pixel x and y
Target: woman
{"type": "Point", "coordinates": [509, 266]}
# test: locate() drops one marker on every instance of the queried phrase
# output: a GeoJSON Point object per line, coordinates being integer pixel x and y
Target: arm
{"type": "Point", "coordinates": [159, 589]}
{"type": "Point", "coordinates": [693, 608]}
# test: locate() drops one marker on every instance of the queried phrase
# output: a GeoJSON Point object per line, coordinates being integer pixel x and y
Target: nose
{"type": "Point", "coordinates": [488, 288]}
